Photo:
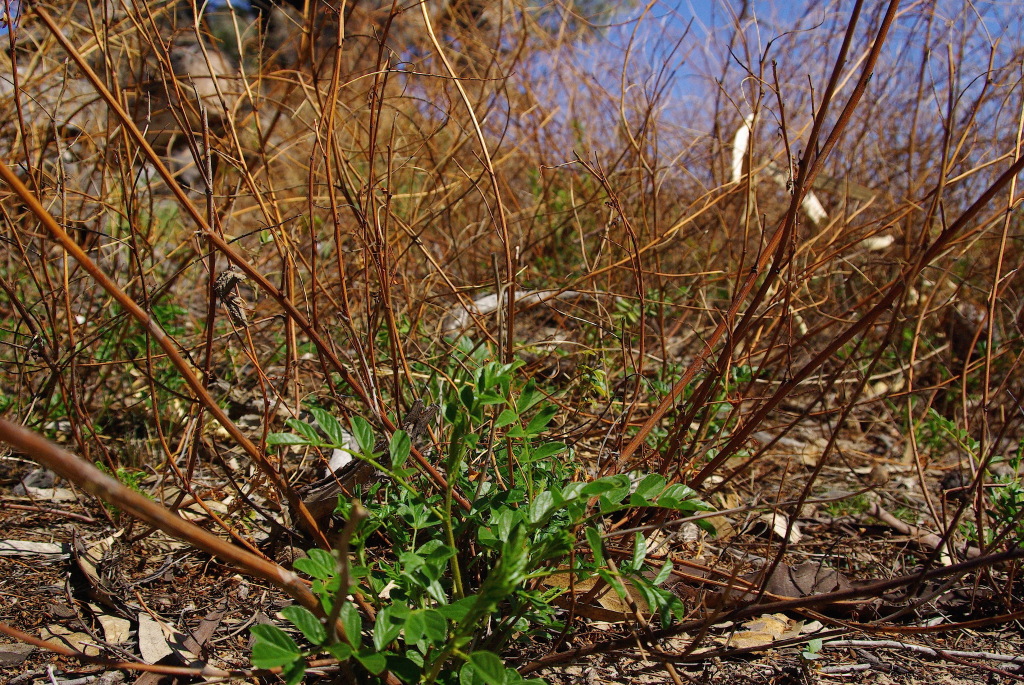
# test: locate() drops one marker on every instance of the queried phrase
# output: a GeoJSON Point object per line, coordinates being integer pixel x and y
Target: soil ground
{"type": "Point", "coordinates": [209, 607]}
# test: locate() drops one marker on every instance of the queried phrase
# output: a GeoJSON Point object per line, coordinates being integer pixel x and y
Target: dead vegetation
{"type": "Point", "coordinates": [215, 221]}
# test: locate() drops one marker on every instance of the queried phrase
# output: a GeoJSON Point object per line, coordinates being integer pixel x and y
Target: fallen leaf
{"type": "Point", "coordinates": [775, 525]}
{"type": "Point", "coordinates": [610, 607]}
{"type": "Point", "coordinates": [25, 548]}
{"type": "Point", "coordinates": [152, 645]}
{"type": "Point", "coordinates": [747, 638]}
{"type": "Point", "coordinates": [115, 629]}
{"type": "Point", "coordinates": [157, 641]}
{"type": "Point", "coordinates": [64, 637]}
{"type": "Point", "coordinates": [790, 582]}
{"type": "Point", "coordinates": [773, 624]}
{"type": "Point", "coordinates": [809, 578]}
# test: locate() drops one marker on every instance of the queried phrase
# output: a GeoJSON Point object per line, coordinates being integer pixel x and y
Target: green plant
{"type": "Point", "coordinates": [130, 478]}
{"type": "Point", "coordinates": [453, 587]}
{"type": "Point", "coordinates": [938, 432]}
{"type": "Point", "coordinates": [812, 650]}
{"type": "Point", "coordinates": [848, 506]}
{"type": "Point", "coordinates": [1007, 501]}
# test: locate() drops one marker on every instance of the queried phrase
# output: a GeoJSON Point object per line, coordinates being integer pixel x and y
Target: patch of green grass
{"type": "Point", "coordinates": [853, 505]}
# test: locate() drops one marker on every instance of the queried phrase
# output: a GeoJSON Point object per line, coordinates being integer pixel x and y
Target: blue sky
{"type": "Point", "coordinates": [11, 8]}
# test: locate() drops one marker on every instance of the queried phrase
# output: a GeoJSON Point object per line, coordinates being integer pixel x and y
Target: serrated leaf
{"type": "Point", "coordinates": [330, 426]}
{"type": "Point", "coordinates": [373, 662]}
{"type": "Point", "coordinates": [273, 647]}
{"type": "Point", "coordinates": [363, 432]}
{"type": "Point", "coordinates": [308, 624]}
{"type": "Point", "coordinates": [319, 564]}
{"type": "Point", "coordinates": [399, 448]}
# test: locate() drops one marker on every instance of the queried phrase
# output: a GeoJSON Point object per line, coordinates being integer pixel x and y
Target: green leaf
{"type": "Point", "coordinates": [363, 432]}
{"type": "Point", "coordinates": [541, 420]}
{"type": "Point", "coordinates": [596, 545]}
{"type": "Point", "coordinates": [292, 674]}
{"type": "Point", "coordinates": [410, 561]}
{"type": "Point", "coordinates": [286, 439]}
{"type": "Point", "coordinates": [273, 647]}
{"type": "Point", "coordinates": [542, 506]}
{"type": "Point", "coordinates": [456, 611]}
{"type": "Point", "coordinates": [650, 487]}
{"type": "Point", "coordinates": [707, 526]}
{"type": "Point", "coordinates": [681, 492]}
{"type": "Point", "coordinates": [319, 564]}
{"type": "Point", "coordinates": [467, 396]}
{"type": "Point", "coordinates": [330, 426]}
{"type": "Point", "coordinates": [663, 574]}
{"type": "Point", "coordinates": [390, 621]}
{"type": "Point", "coordinates": [490, 398]}
{"type": "Point", "coordinates": [406, 669]}
{"type": "Point", "coordinates": [573, 491]}
{"type": "Point", "coordinates": [505, 418]}
{"type": "Point", "coordinates": [548, 449]}
{"type": "Point", "coordinates": [305, 430]}
{"type": "Point", "coordinates": [507, 575]}
{"type": "Point", "coordinates": [639, 551]}
{"type": "Point", "coordinates": [351, 623]}
{"type": "Point", "coordinates": [372, 661]}
{"type": "Point", "coordinates": [426, 624]}
{"type": "Point", "coordinates": [600, 486]}
{"type": "Point", "coordinates": [614, 582]}
{"type": "Point", "coordinates": [529, 397]}
{"type": "Point", "coordinates": [624, 485]}
{"type": "Point", "coordinates": [340, 651]}
{"type": "Point", "coordinates": [813, 649]}
{"type": "Point", "coordinates": [399, 447]}
{"type": "Point", "coordinates": [308, 624]}
{"type": "Point", "coordinates": [488, 667]}
{"type": "Point", "coordinates": [468, 676]}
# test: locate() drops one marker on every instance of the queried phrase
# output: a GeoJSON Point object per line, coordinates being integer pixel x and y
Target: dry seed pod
{"type": "Point", "coordinates": [224, 288]}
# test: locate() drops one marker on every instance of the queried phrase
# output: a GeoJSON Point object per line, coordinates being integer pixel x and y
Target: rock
{"type": "Point", "coordinates": [12, 654]}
